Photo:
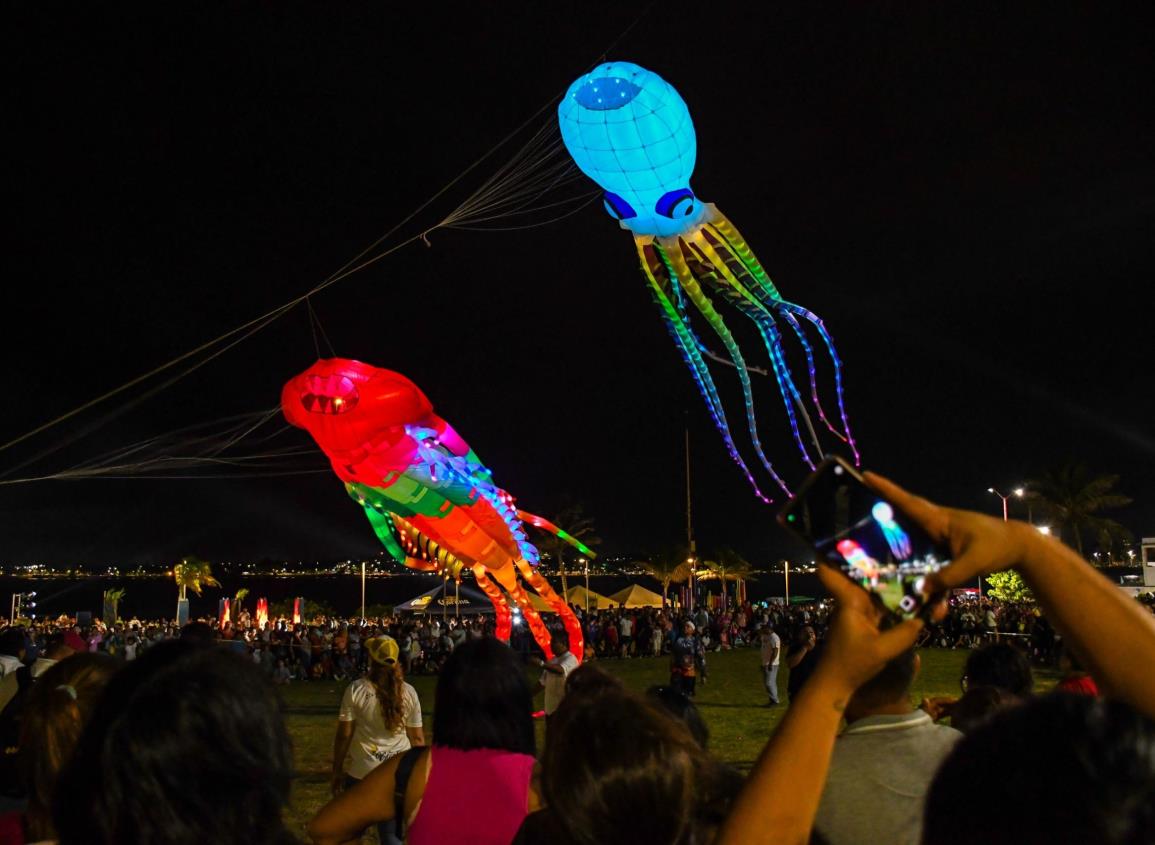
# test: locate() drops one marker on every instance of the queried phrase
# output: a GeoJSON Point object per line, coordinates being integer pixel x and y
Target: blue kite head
{"type": "Point", "coordinates": [630, 131]}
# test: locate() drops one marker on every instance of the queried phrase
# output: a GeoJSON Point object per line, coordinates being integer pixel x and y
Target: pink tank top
{"type": "Point", "coordinates": [472, 797]}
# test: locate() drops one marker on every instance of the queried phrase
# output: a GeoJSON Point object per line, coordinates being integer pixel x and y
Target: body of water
{"type": "Point", "coordinates": [153, 598]}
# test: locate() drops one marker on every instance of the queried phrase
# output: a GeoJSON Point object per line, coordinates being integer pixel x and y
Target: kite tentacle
{"type": "Point", "coordinates": [500, 605]}
{"type": "Point", "coordinates": [573, 628]}
{"type": "Point", "coordinates": [734, 289]}
{"type": "Point", "coordinates": [719, 223]}
{"type": "Point", "coordinates": [688, 344]}
{"type": "Point", "coordinates": [724, 230]}
{"type": "Point", "coordinates": [532, 618]}
{"type": "Point", "coordinates": [816, 321]}
{"type": "Point", "coordinates": [679, 269]}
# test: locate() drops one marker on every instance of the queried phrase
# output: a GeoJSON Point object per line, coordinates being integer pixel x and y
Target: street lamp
{"type": "Point", "coordinates": [1001, 496]}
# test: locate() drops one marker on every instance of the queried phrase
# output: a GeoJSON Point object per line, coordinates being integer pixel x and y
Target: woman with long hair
{"type": "Point", "coordinates": [380, 718]}
{"type": "Point", "coordinates": [59, 705]}
{"type": "Point", "coordinates": [619, 769]}
{"type": "Point", "coordinates": [473, 784]}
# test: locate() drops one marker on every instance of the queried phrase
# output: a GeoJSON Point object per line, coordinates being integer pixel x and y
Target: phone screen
{"type": "Point", "coordinates": [872, 541]}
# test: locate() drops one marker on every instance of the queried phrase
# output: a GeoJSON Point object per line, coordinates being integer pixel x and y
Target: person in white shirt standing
{"type": "Point", "coordinates": [380, 718]}
{"type": "Point", "coordinates": [771, 654]}
{"type": "Point", "coordinates": [554, 672]}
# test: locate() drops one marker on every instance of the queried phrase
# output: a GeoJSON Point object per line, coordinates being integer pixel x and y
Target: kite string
{"type": "Point", "coordinates": [349, 268]}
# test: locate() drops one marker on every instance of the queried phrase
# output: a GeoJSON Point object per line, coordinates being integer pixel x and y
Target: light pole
{"type": "Point", "coordinates": [1001, 496]}
{"type": "Point", "coordinates": [363, 565]}
{"type": "Point", "coordinates": [1018, 493]}
{"type": "Point", "coordinates": [690, 560]}
{"type": "Point", "coordinates": [586, 565]}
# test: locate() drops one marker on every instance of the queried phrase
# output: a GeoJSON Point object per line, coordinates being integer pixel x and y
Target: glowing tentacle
{"type": "Point", "coordinates": [737, 246]}
{"type": "Point", "coordinates": [813, 371]}
{"type": "Point", "coordinates": [736, 290]}
{"type": "Point", "coordinates": [532, 617]}
{"type": "Point", "coordinates": [681, 272]}
{"type": "Point", "coordinates": [766, 296]}
{"type": "Point", "coordinates": [721, 224]}
{"type": "Point", "coordinates": [500, 606]}
{"type": "Point", "coordinates": [572, 627]}
{"type": "Point", "coordinates": [545, 525]}
{"type": "Point", "coordinates": [816, 321]}
{"type": "Point", "coordinates": [687, 343]}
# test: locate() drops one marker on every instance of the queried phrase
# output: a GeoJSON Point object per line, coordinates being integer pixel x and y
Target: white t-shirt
{"type": "Point", "coordinates": [554, 683]}
{"type": "Point", "coordinates": [42, 665]}
{"type": "Point", "coordinates": [9, 664]}
{"type": "Point", "coordinates": [372, 744]}
{"type": "Point", "coordinates": [768, 648]}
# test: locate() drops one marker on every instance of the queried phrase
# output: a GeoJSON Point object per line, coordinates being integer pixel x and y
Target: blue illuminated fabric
{"type": "Point", "coordinates": [630, 131]}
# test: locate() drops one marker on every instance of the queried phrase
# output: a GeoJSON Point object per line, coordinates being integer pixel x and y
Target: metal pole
{"type": "Point", "coordinates": [363, 564]}
{"type": "Point", "coordinates": [689, 503]}
{"type": "Point", "coordinates": [587, 588]}
{"type": "Point", "coordinates": [787, 563]}
{"type": "Point", "coordinates": [12, 617]}
{"type": "Point", "coordinates": [457, 599]}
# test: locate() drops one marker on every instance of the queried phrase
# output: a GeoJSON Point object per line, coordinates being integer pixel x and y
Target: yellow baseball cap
{"type": "Point", "coordinates": [383, 650]}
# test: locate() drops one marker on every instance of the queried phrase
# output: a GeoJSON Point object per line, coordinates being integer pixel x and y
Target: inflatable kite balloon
{"type": "Point", "coordinates": [430, 499]}
{"type": "Point", "coordinates": [630, 131]}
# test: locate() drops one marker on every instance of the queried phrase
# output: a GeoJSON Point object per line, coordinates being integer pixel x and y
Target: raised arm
{"type": "Point", "coordinates": [369, 802]}
{"type": "Point", "coordinates": [780, 798]}
{"type": "Point", "coordinates": [1094, 616]}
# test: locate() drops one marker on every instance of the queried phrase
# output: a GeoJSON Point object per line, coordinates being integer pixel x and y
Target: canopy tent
{"type": "Point", "coordinates": [636, 595]}
{"type": "Point", "coordinates": [445, 598]}
{"type": "Point", "coordinates": [578, 595]}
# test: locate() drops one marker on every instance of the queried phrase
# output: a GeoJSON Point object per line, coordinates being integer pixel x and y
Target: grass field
{"type": "Point", "coordinates": [731, 703]}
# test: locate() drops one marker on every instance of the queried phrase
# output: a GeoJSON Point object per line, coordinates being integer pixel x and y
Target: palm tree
{"type": "Point", "coordinates": [1072, 498]}
{"type": "Point", "coordinates": [193, 574]}
{"type": "Point", "coordinates": [671, 568]}
{"type": "Point", "coordinates": [729, 566]}
{"type": "Point", "coordinates": [112, 599]}
{"type": "Point", "coordinates": [573, 521]}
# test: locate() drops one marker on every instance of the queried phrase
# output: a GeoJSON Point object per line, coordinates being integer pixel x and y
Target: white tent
{"type": "Point", "coordinates": [636, 595]}
{"type": "Point", "coordinates": [577, 596]}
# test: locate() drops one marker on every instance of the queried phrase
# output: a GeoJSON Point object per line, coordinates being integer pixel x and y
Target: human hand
{"type": "Point", "coordinates": [856, 650]}
{"type": "Point", "coordinates": [979, 544]}
{"type": "Point", "coordinates": [938, 706]}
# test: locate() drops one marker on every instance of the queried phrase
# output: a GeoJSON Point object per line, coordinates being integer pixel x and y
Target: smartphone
{"type": "Point", "coordinates": [870, 539]}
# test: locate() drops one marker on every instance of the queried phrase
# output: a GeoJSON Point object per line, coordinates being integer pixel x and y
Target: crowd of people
{"type": "Point", "coordinates": [183, 740]}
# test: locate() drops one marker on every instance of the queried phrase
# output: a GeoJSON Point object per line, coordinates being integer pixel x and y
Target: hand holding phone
{"type": "Point", "coordinates": [854, 528]}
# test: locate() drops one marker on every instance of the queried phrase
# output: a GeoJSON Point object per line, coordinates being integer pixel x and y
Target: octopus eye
{"type": "Point", "coordinates": [617, 207]}
{"type": "Point", "coordinates": [679, 203]}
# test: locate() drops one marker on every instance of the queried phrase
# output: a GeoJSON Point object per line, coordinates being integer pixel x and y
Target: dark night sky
{"type": "Point", "coordinates": [967, 197]}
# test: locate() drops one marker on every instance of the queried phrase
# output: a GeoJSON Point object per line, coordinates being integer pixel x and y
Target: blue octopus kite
{"type": "Point", "coordinates": [630, 131]}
